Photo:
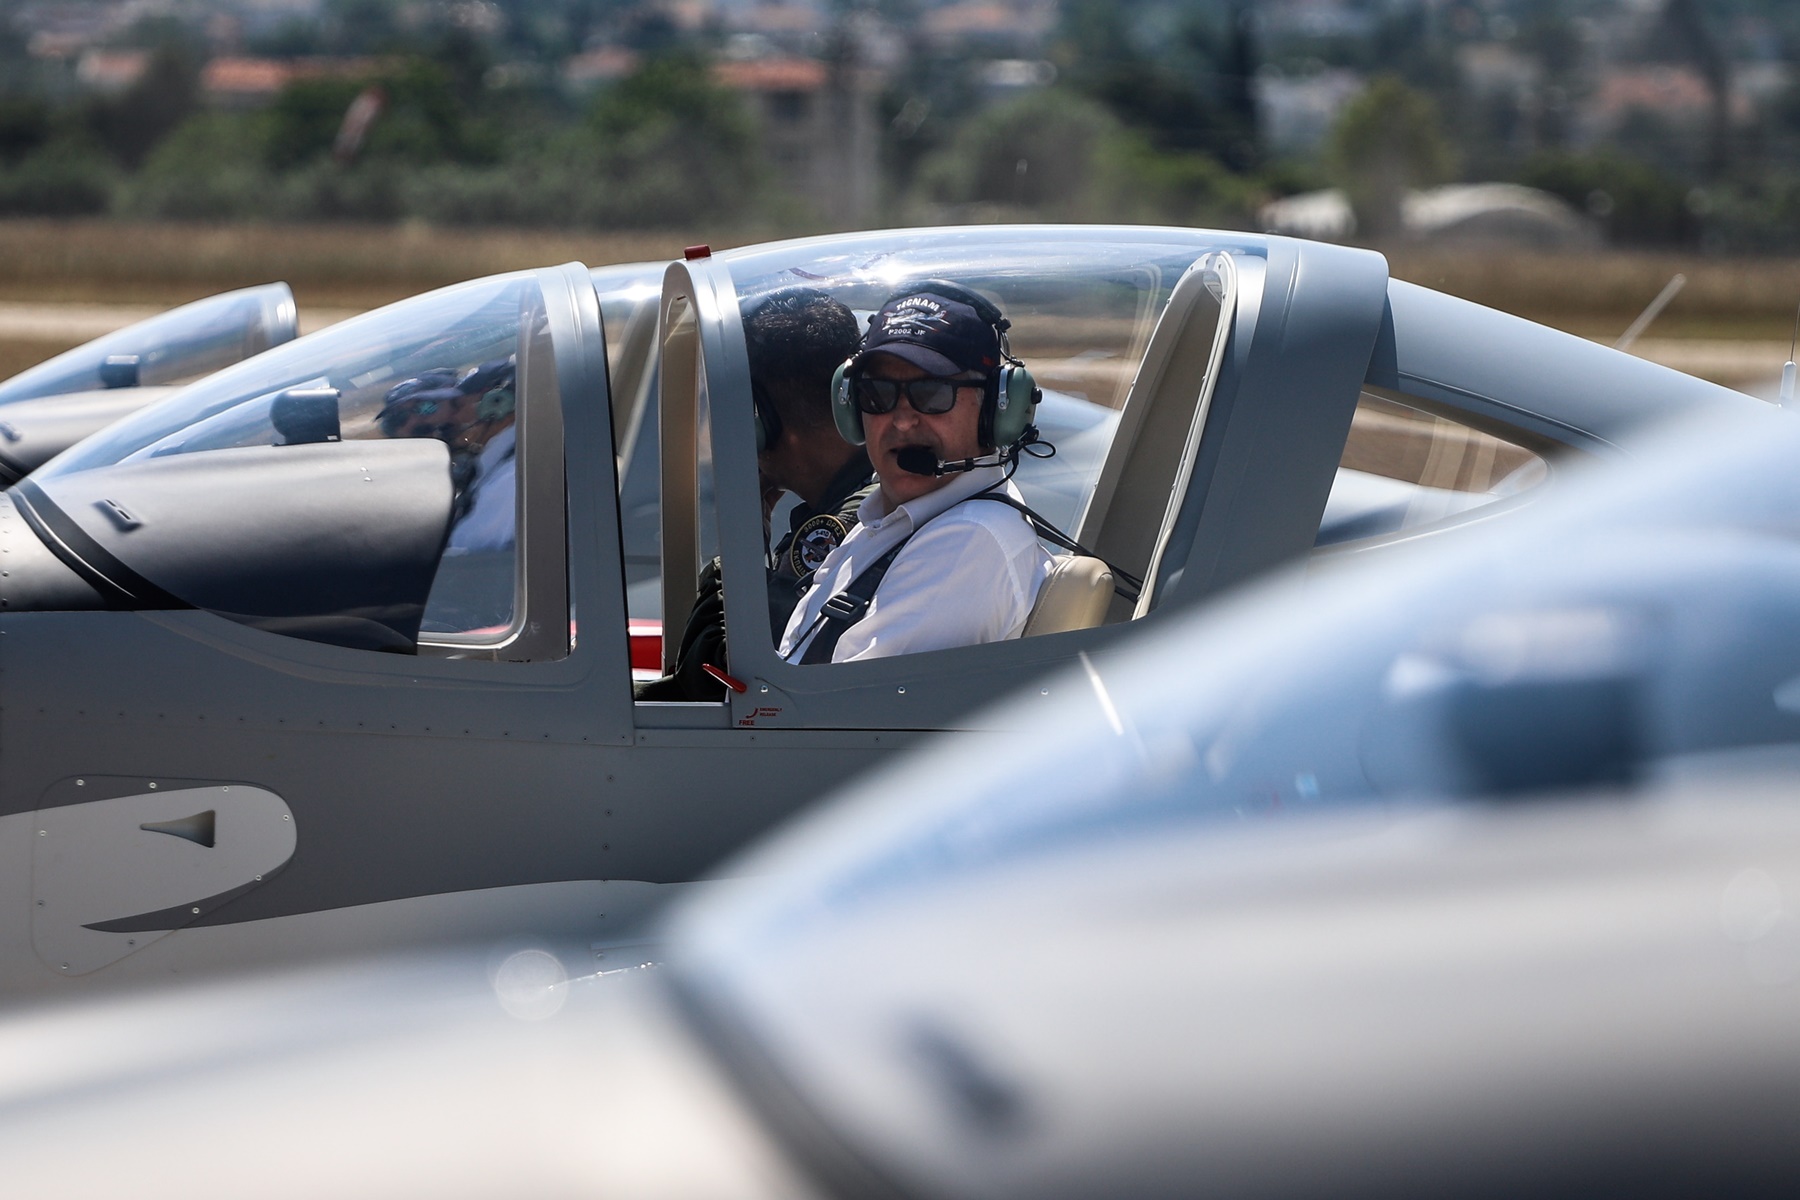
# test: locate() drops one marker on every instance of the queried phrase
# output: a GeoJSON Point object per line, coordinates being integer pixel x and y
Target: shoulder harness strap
{"type": "Point", "coordinates": [848, 607]}
{"type": "Point", "coordinates": [1126, 585]}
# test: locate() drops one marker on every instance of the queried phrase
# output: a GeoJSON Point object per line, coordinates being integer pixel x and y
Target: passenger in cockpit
{"type": "Point", "coordinates": [472, 412]}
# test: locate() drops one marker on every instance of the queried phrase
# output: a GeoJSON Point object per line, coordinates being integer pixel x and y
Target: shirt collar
{"type": "Point", "coordinates": [925, 507]}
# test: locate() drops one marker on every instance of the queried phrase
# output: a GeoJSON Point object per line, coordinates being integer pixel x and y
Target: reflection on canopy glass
{"type": "Point", "coordinates": [446, 369]}
{"type": "Point", "coordinates": [172, 347]}
{"type": "Point", "coordinates": [1082, 313]}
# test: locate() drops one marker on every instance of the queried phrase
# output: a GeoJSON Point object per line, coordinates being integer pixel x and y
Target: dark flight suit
{"type": "Point", "coordinates": [843, 496]}
{"type": "Point", "coordinates": [703, 639]}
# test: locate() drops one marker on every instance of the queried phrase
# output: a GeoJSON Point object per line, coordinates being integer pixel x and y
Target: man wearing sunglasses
{"type": "Point", "coordinates": [929, 566]}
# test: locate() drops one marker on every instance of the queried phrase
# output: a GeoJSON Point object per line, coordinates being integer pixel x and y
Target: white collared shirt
{"type": "Point", "coordinates": [970, 575]}
{"type": "Point", "coordinates": [491, 523]}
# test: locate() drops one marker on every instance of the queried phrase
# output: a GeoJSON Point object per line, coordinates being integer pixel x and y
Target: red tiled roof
{"type": "Point", "coordinates": [771, 75]}
{"type": "Point", "coordinates": [780, 18]}
{"type": "Point", "coordinates": [112, 68]}
{"type": "Point", "coordinates": [266, 76]}
{"type": "Point", "coordinates": [971, 18]}
{"type": "Point", "coordinates": [246, 75]}
{"type": "Point", "coordinates": [608, 62]}
{"type": "Point", "coordinates": [1669, 90]}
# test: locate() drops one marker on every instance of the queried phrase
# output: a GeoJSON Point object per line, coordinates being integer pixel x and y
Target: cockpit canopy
{"type": "Point", "coordinates": [170, 348]}
{"type": "Point", "coordinates": [357, 486]}
{"type": "Point", "coordinates": [56, 404]}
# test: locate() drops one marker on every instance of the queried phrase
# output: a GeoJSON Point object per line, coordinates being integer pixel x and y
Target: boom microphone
{"type": "Point", "coordinates": [917, 460]}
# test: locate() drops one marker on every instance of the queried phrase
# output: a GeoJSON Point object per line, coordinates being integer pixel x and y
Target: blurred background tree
{"type": "Point", "coordinates": [669, 141]}
{"type": "Point", "coordinates": [1182, 79]}
{"type": "Point", "coordinates": [1388, 142]}
{"type": "Point", "coordinates": [1670, 122]}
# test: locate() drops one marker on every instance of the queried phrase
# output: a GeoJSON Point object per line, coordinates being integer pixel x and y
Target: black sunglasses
{"type": "Point", "coordinates": [933, 397]}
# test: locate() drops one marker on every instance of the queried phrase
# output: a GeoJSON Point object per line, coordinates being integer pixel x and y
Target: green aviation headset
{"type": "Point", "coordinates": [1010, 395]}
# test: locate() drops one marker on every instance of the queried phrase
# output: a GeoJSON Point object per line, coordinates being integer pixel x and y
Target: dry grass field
{"type": "Point", "coordinates": [1599, 295]}
{"type": "Point", "coordinates": [356, 267]}
{"type": "Point", "coordinates": [339, 266]}
{"type": "Point", "coordinates": [15, 356]}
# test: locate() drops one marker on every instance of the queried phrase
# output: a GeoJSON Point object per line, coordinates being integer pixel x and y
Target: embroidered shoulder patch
{"type": "Point", "coordinates": [815, 539]}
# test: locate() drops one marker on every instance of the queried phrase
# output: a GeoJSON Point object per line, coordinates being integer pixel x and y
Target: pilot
{"type": "Point", "coordinates": [473, 412]}
{"type": "Point", "coordinates": [795, 339]}
{"type": "Point", "coordinates": [932, 563]}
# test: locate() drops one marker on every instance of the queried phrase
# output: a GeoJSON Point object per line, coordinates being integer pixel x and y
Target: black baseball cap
{"type": "Point", "coordinates": [442, 385]}
{"type": "Point", "coordinates": [935, 332]}
{"type": "Point", "coordinates": [437, 385]}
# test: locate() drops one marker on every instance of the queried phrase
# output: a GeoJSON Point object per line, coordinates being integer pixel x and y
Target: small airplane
{"type": "Point", "coordinates": [258, 704]}
{"type": "Point", "coordinates": [1169, 940]}
{"type": "Point", "coordinates": [60, 401]}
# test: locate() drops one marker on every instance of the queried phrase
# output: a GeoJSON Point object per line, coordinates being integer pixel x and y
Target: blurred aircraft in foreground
{"type": "Point", "coordinates": [1472, 873]}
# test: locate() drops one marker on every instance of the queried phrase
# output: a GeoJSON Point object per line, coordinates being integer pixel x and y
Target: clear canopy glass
{"type": "Point", "coordinates": [445, 333]}
{"type": "Point", "coordinates": [1082, 301]}
{"type": "Point", "coordinates": [443, 367]}
{"type": "Point", "coordinates": [173, 347]}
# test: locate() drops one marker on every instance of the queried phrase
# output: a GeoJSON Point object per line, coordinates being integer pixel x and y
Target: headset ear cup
{"type": "Point", "coordinates": [1015, 403]}
{"type": "Point", "coordinates": [844, 412]}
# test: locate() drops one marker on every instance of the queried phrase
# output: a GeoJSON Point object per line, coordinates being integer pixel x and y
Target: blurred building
{"type": "Point", "coordinates": [1297, 112]}
{"type": "Point", "coordinates": [1315, 18]}
{"type": "Point", "coordinates": [1673, 93]}
{"type": "Point", "coordinates": [1016, 29]}
{"type": "Point", "coordinates": [1463, 214]}
{"type": "Point", "coordinates": [111, 71]}
{"type": "Point", "coordinates": [591, 68]}
{"type": "Point", "coordinates": [235, 82]}
{"type": "Point", "coordinates": [818, 126]}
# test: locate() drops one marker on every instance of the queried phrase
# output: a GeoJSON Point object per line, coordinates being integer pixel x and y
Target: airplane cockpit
{"type": "Point", "coordinates": [1084, 316]}
{"type": "Point", "coordinates": [322, 491]}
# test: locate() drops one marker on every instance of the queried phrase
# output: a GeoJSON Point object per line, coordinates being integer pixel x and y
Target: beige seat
{"type": "Point", "coordinates": [1075, 595]}
{"type": "Point", "coordinates": [1151, 460]}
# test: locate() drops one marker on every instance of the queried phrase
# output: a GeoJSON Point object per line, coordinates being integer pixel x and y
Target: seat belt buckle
{"type": "Point", "coordinates": [845, 607]}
